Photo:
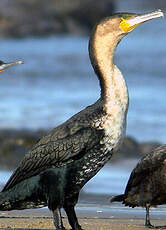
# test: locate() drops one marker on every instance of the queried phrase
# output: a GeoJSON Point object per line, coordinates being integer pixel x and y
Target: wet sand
{"type": "Point", "coordinates": [87, 224]}
{"type": "Point", "coordinates": [90, 218]}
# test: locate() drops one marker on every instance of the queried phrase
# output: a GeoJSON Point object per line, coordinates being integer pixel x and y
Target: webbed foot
{"type": "Point", "coordinates": [155, 227]}
{"type": "Point", "coordinates": [77, 228]}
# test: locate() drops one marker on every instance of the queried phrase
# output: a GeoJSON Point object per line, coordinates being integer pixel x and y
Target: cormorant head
{"type": "Point", "coordinates": [119, 25]}
{"type": "Point", "coordinates": [4, 66]}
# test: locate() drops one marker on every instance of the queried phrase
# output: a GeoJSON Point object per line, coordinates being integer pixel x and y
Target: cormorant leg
{"type": "Point", "coordinates": [147, 221]}
{"type": "Point", "coordinates": [58, 219]}
{"type": "Point", "coordinates": [73, 221]}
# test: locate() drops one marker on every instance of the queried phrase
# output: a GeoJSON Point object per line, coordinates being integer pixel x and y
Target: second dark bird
{"type": "Point", "coordinates": [147, 184]}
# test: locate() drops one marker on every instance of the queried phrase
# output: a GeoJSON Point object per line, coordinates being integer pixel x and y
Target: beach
{"type": "Point", "coordinates": [88, 224]}
{"type": "Point", "coordinates": [114, 219]}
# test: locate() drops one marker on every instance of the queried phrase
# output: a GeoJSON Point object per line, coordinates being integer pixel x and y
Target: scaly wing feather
{"type": "Point", "coordinates": [53, 151]}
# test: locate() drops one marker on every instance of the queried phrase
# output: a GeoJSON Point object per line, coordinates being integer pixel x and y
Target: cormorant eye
{"type": "Point", "coordinates": [124, 16]}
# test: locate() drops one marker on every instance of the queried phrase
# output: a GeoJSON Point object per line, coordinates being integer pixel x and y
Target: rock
{"type": "Point", "coordinates": [133, 149]}
{"type": "Point", "coordinates": [147, 147]}
{"type": "Point", "coordinates": [88, 13]}
{"type": "Point", "coordinates": [129, 149]}
{"type": "Point", "coordinates": [20, 18]}
{"type": "Point", "coordinates": [15, 144]}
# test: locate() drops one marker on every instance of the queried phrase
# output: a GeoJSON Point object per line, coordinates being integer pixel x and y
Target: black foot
{"type": "Point", "coordinates": [60, 228]}
{"type": "Point", "coordinates": [78, 228]}
{"type": "Point", "coordinates": [155, 227]}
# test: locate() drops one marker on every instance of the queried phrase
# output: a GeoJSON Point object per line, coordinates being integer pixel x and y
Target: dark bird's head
{"type": "Point", "coordinates": [109, 32]}
{"type": "Point", "coordinates": [121, 24]}
{"type": "Point", "coordinates": [4, 66]}
{"type": "Point", "coordinates": [105, 37]}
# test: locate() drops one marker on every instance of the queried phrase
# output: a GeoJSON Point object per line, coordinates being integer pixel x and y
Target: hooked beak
{"type": "Point", "coordinates": [130, 24]}
{"type": "Point", "coordinates": [145, 17]}
{"type": "Point", "coordinates": [5, 66]}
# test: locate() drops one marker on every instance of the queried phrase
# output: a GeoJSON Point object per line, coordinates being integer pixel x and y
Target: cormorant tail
{"type": "Point", "coordinates": [26, 194]}
{"type": "Point", "coordinates": [118, 198]}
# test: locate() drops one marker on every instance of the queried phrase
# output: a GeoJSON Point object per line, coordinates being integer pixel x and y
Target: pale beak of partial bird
{"type": "Point", "coordinates": [130, 23]}
{"type": "Point", "coordinates": [5, 66]}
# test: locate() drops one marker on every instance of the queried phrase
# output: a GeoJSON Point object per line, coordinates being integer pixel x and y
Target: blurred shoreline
{"type": "Point", "coordinates": [19, 19]}
{"type": "Point", "coordinates": [44, 18]}
{"type": "Point", "coordinates": [14, 144]}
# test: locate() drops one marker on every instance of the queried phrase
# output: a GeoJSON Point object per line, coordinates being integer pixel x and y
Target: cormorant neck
{"type": "Point", "coordinates": [101, 52]}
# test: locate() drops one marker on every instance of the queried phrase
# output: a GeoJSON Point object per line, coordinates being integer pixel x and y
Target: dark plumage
{"type": "Point", "coordinates": [60, 164]}
{"type": "Point", "coordinates": [147, 183]}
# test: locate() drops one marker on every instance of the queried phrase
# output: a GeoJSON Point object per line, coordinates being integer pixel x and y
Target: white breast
{"type": "Point", "coordinates": [116, 108]}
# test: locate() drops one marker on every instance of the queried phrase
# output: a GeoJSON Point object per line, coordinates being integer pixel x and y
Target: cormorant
{"type": "Point", "coordinates": [146, 186]}
{"type": "Point", "coordinates": [61, 163]}
{"type": "Point", "coordinates": [4, 66]}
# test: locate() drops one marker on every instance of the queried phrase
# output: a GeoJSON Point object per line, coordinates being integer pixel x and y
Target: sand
{"type": "Point", "coordinates": [87, 224]}
{"type": "Point", "coordinates": [116, 218]}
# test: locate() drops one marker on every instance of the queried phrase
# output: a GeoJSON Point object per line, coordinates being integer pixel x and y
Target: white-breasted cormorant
{"type": "Point", "coordinates": [146, 186]}
{"type": "Point", "coordinates": [61, 163]}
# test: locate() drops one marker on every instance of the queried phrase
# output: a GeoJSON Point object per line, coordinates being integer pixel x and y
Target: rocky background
{"type": "Point", "coordinates": [21, 18]}
{"type": "Point", "coordinates": [15, 144]}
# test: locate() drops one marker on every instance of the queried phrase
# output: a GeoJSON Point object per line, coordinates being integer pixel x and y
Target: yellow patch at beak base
{"type": "Point", "coordinates": [126, 27]}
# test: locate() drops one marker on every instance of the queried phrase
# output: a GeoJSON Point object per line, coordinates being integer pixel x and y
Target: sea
{"type": "Point", "coordinates": [57, 81]}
